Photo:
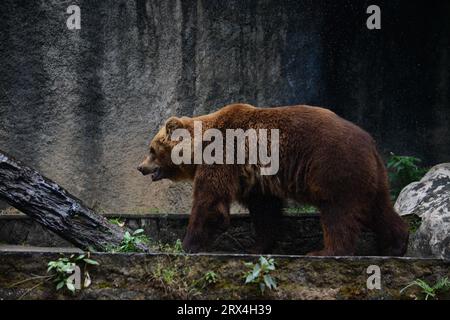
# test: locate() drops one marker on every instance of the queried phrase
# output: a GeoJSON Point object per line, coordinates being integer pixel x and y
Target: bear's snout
{"type": "Point", "coordinates": [144, 170]}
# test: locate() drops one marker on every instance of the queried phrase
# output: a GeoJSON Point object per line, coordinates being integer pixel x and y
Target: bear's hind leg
{"type": "Point", "coordinates": [391, 230]}
{"type": "Point", "coordinates": [341, 229]}
{"type": "Point", "coordinates": [265, 212]}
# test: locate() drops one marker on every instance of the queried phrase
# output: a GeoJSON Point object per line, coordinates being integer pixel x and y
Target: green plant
{"type": "Point", "coordinates": [175, 277]}
{"type": "Point", "coordinates": [131, 241]}
{"type": "Point", "coordinates": [117, 221]}
{"type": "Point", "coordinates": [63, 268]}
{"type": "Point", "coordinates": [260, 273]}
{"type": "Point", "coordinates": [304, 209]}
{"type": "Point", "coordinates": [165, 274]}
{"type": "Point", "coordinates": [177, 247]}
{"type": "Point", "coordinates": [168, 275]}
{"type": "Point", "coordinates": [427, 291]}
{"type": "Point", "coordinates": [210, 277]}
{"type": "Point", "coordinates": [402, 171]}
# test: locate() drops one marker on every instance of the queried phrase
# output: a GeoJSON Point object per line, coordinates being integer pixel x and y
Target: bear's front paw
{"type": "Point", "coordinates": [191, 246]}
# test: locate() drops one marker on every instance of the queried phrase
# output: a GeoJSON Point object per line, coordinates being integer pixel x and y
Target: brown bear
{"type": "Point", "coordinates": [324, 161]}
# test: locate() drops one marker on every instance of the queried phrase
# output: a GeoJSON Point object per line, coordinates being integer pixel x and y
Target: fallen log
{"type": "Point", "coordinates": [56, 209]}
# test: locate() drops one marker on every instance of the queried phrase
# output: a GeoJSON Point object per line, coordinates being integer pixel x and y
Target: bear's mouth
{"type": "Point", "coordinates": [157, 174]}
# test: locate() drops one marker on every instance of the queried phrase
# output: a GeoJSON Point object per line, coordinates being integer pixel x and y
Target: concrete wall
{"type": "Point", "coordinates": [81, 105]}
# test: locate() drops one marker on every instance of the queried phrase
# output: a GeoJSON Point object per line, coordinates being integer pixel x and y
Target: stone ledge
{"type": "Point", "coordinates": [132, 276]}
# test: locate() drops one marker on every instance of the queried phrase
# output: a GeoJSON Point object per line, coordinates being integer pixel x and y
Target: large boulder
{"type": "Point", "coordinates": [429, 200]}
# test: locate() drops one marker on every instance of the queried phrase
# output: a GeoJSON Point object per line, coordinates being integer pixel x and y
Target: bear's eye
{"type": "Point", "coordinates": [152, 150]}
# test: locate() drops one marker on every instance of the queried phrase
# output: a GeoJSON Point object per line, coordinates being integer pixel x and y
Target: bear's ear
{"type": "Point", "coordinates": [172, 124]}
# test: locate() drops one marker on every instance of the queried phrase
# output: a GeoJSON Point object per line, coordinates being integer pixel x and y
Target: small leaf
{"type": "Point", "coordinates": [90, 261]}
{"type": "Point", "coordinates": [70, 286]}
{"type": "Point", "coordinates": [60, 285]}
{"type": "Point", "coordinates": [270, 282]}
{"type": "Point", "coordinates": [263, 260]}
{"type": "Point", "coordinates": [249, 278]}
{"type": "Point", "coordinates": [256, 271]}
{"type": "Point", "coordinates": [87, 280]}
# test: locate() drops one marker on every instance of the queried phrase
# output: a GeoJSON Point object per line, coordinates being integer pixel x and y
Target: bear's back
{"type": "Point", "coordinates": [295, 120]}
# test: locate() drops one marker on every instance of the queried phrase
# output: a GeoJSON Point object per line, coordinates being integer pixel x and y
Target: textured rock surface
{"type": "Point", "coordinates": [80, 106]}
{"type": "Point", "coordinates": [138, 276]}
{"type": "Point", "coordinates": [429, 199]}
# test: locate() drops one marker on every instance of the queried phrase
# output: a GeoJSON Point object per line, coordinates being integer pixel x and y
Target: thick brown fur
{"type": "Point", "coordinates": [325, 161]}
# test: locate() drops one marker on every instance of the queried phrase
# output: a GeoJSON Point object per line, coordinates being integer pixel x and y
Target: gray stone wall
{"type": "Point", "coordinates": [81, 105]}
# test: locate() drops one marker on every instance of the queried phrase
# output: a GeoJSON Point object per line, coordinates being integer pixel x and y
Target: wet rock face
{"type": "Point", "coordinates": [429, 199]}
{"type": "Point", "coordinates": [81, 105]}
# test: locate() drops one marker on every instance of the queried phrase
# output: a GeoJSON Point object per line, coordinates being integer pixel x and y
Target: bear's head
{"type": "Point", "coordinates": [158, 162]}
